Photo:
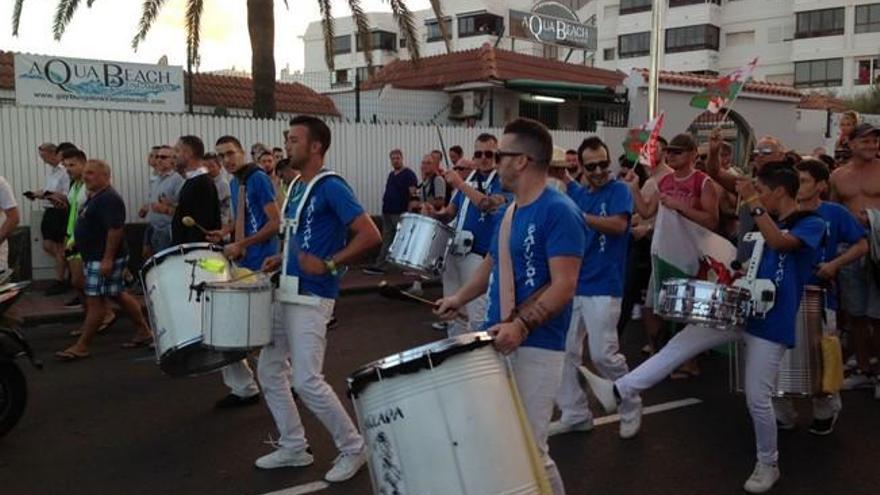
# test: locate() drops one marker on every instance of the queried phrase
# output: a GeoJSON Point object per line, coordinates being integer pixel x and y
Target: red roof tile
{"type": "Point", "coordinates": [816, 101]}
{"type": "Point", "coordinates": [701, 81]}
{"type": "Point", "coordinates": [223, 91]}
{"type": "Point", "coordinates": [486, 64]}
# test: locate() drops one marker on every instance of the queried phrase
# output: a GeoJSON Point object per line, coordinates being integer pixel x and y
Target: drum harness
{"type": "Point", "coordinates": [463, 241]}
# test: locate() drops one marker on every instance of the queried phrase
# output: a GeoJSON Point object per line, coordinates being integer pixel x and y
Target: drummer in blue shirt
{"type": "Point", "coordinates": [254, 229]}
{"type": "Point", "coordinates": [531, 278]}
{"type": "Point", "coordinates": [470, 213]}
{"type": "Point", "coordinates": [792, 242]}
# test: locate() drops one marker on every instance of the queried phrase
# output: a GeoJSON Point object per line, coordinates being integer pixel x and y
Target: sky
{"type": "Point", "coordinates": [104, 32]}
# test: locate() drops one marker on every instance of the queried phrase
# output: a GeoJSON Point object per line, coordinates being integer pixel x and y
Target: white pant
{"type": "Point", "coordinates": [299, 334]}
{"type": "Point", "coordinates": [458, 271]}
{"type": "Point", "coordinates": [762, 368]}
{"type": "Point", "coordinates": [538, 373]}
{"type": "Point", "coordinates": [240, 379]}
{"type": "Point", "coordinates": [594, 317]}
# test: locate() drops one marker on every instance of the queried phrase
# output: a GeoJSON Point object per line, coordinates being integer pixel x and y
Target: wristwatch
{"type": "Point", "coordinates": [757, 211]}
{"type": "Point", "coordinates": [331, 266]}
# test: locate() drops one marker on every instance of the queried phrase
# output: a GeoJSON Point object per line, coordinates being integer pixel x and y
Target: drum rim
{"type": "Point", "coordinates": [695, 281]}
{"type": "Point", "coordinates": [413, 359]}
{"type": "Point", "coordinates": [433, 220]}
{"type": "Point", "coordinates": [157, 258]}
{"type": "Point", "coordinates": [263, 284]}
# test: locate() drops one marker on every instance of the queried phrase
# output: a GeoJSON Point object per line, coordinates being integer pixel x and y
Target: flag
{"type": "Point", "coordinates": [637, 137]}
{"type": "Point", "coordinates": [725, 89]}
{"type": "Point", "coordinates": [680, 246]}
{"type": "Point", "coordinates": [648, 153]}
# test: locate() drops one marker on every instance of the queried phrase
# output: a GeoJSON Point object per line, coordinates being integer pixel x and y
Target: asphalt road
{"type": "Point", "coordinates": [113, 424]}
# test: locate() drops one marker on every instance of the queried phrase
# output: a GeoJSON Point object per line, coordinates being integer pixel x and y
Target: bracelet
{"type": "Point", "coordinates": [524, 327]}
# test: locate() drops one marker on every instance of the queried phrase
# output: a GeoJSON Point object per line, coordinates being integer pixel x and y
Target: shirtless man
{"type": "Point", "coordinates": [856, 186]}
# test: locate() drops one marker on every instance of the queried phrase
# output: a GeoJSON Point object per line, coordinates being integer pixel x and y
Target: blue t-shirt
{"type": "Point", "coordinates": [480, 224]}
{"type": "Point", "coordinates": [102, 212]}
{"type": "Point", "coordinates": [790, 271]}
{"type": "Point", "coordinates": [322, 232]}
{"type": "Point", "coordinates": [841, 229]}
{"type": "Point", "coordinates": [396, 197]}
{"type": "Point", "coordinates": [260, 192]}
{"type": "Point", "coordinates": [605, 257]}
{"type": "Point", "coordinates": [548, 227]}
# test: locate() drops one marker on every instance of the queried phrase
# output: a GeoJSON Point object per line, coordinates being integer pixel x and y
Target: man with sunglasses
{"type": "Point", "coordinates": [164, 193]}
{"type": "Point", "coordinates": [533, 278]}
{"type": "Point", "coordinates": [607, 208]}
{"type": "Point", "coordinates": [470, 213]}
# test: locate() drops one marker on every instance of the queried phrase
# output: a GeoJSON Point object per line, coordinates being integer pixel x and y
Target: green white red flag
{"type": "Point", "coordinates": [648, 153]}
{"type": "Point", "coordinates": [640, 144]}
{"type": "Point", "coordinates": [723, 91]}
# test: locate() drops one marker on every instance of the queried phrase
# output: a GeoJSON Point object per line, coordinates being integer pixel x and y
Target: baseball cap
{"type": "Point", "coordinates": [683, 142]}
{"type": "Point", "coordinates": [862, 130]}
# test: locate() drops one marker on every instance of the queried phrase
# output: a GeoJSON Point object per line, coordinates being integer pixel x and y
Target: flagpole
{"type": "Point", "coordinates": [654, 69]}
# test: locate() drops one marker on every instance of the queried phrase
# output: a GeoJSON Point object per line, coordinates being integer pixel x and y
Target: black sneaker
{"type": "Point", "coordinates": [73, 303]}
{"type": "Point", "coordinates": [233, 400]}
{"type": "Point", "coordinates": [373, 270]}
{"type": "Point", "coordinates": [823, 427]}
{"type": "Point", "coordinates": [333, 323]}
{"type": "Point", "coordinates": [57, 288]}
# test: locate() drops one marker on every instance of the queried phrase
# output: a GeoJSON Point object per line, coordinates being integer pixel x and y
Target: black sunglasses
{"type": "Point", "coordinates": [501, 154]}
{"type": "Point", "coordinates": [480, 154]}
{"type": "Point", "coordinates": [164, 157]}
{"type": "Point", "coordinates": [591, 166]}
{"type": "Point", "coordinates": [460, 169]}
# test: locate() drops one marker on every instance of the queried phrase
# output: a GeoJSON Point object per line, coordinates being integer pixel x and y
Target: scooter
{"type": "Point", "coordinates": [13, 385]}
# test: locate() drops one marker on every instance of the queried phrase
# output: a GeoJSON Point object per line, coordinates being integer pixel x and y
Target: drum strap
{"type": "Point", "coordinates": [305, 196]}
{"type": "Point", "coordinates": [466, 203]}
{"type": "Point", "coordinates": [242, 177]}
{"type": "Point", "coordinates": [506, 286]}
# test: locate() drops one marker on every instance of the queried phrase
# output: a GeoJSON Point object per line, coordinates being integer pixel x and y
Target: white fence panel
{"type": "Point", "coordinates": [358, 151]}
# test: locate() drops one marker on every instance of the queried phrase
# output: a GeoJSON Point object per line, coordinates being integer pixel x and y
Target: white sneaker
{"type": "Point", "coordinates": [857, 380]}
{"type": "Point", "coordinates": [558, 427]}
{"type": "Point", "coordinates": [603, 389]}
{"type": "Point", "coordinates": [630, 425]}
{"type": "Point", "coordinates": [285, 458]}
{"type": "Point", "coordinates": [762, 479]}
{"type": "Point", "coordinates": [415, 289]}
{"type": "Point", "coordinates": [636, 313]}
{"type": "Point", "coordinates": [346, 465]}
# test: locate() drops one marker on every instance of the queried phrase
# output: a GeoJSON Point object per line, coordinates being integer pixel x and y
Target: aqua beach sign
{"type": "Point", "coordinates": [552, 23]}
{"type": "Point", "coordinates": [71, 82]}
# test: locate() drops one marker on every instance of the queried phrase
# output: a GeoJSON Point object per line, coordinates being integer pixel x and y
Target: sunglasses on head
{"type": "Point", "coordinates": [591, 166]}
{"type": "Point", "coordinates": [480, 154]}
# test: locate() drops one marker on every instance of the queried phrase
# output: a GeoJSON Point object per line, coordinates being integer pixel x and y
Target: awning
{"type": "Point", "coordinates": [595, 92]}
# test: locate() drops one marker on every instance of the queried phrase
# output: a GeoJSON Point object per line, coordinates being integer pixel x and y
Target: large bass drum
{"type": "Point", "coordinates": [444, 418]}
{"type": "Point", "coordinates": [172, 279]}
{"type": "Point", "coordinates": [421, 244]}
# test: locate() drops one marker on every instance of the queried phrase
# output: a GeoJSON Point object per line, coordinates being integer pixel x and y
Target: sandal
{"type": "Point", "coordinates": [104, 326]}
{"type": "Point", "coordinates": [137, 343]}
{"type": "Point", "coordinates": [67, 356]}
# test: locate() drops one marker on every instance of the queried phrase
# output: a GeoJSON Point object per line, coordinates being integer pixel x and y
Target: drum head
{"type": "Point", "coordinates": [415, 359]}
{"type": "Point", "coordinates": [162, 255]}
{"type": "Point", "coordinates": [194, 360]}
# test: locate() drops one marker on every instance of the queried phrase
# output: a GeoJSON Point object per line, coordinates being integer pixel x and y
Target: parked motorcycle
{"type": "Point", "coordinates": [13, 385]}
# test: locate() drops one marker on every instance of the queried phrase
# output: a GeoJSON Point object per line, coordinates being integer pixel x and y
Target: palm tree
{"type": "Point", "coordinates": [261, 27]}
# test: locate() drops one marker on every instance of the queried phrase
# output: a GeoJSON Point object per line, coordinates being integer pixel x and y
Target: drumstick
{"type": "Point", "coordinates": [190, 222]}
{"type": "Point", "coordinates": [389, 291]}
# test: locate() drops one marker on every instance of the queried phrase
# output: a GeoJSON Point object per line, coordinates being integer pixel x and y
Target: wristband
{"type": "Point", "coordinates": [331, 266]}
{"type": "Point", "coordinates": [524, 327]}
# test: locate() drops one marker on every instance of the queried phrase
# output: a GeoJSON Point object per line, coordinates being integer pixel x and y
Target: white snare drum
{"type": "Point", "coordinates": [703, 303]}
{"type": "Point", "coordinates": [442, 419]}
{"type": "Point", "coordinates": [421, 243]}
{"type": "Point", "coordinates": [237, 316]}
{"type": "Point", "coordinates": [170, 278]}
{"type": "Point", "coordinates": [800, 371]}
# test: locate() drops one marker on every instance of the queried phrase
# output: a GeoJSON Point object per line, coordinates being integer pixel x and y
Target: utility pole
{"type": "Point", "coordinates": [656, 49]}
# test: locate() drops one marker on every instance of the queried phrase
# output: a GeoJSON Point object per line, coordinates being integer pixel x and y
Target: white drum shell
{"type": "Point", "coordinates": [448, 430]}
{"type": "Point", "coordinates": [237, 317]}
{"type": "Point", "coordinates": [421, 243]}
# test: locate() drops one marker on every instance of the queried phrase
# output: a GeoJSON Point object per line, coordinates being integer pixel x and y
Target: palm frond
{"type": "Point", "coordinates": [407, 24]}
{"type": "Point", "coordinates": [89, 3]}
{"type": "Point", "coordinates": [363, 29]}
{"type": "Point", "coordinates": [149, 13]}
{"type": "Point", "coordinates": [16, 16]}
{"type": "Point", "coordinates": [329, 32]}
{"type": "Point", "coordinates": [444, 30]}
{"type": "Point", "coordinates": [63, 14]}
{"type": "Point", "coordinates": [194, 10]}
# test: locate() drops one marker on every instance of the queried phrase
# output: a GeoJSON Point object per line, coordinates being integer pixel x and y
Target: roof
{"type": "Point", "coordinates": [701, 81]}
{"type": "Point", "coordinates": [485, 64]}
{"type": "Point", "coordinates": [224, 91]}
{"type": "Point", "coordinates": [817, 101]}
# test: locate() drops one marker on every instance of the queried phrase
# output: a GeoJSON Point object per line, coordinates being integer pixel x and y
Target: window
{"type": "Point", "coordinates": [480, 24]}
{"type": "Point", "coordinates": [550, 51]}
{"type": "Point", "coordinates": [379, 40]}
{"type": "Point", "coordinates": [340, 78]}
{"type": "Point", "coordinates": [434, 33]}
{"type": "Point", "coordinates": [342, 44]}
{"type": "Point", "coordinates": [679, 3]}
{"type": "Point", "coordinates": [815, 23]}
{"type": "Point", "coordinates": [633, 6]}
{"type": "Point", "coordinates": [608, 54]}
{"type": "Point", "coordinates": [818, 73]}
{"type": "Point", "coordinates": [690, 38]}
{"type": "Point", "coordinates": [364, 73]}
{"type": "Point", "coordinates": [868, 18]}
{"type": "Point", "coordinates": [867, 71]}
{"type": "Point", "coordinates": [634, 45]}
{"type": "Point", "coordinates": [402, 42]}
{"type": "Point", "coordinates": [743, 38]}
{"type": "Point", "coordinates": [545, 113]}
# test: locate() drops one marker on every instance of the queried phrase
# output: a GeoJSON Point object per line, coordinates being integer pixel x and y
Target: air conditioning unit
{"type": "Point", "coordinates": [465, 104]}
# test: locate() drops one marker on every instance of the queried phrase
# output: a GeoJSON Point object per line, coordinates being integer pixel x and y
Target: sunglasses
{"type": "Point", "coordinates": [591, 166]}
{"type": "Point", "coordinates": [480, 154]}
{"type": "Point", "coordinates": [164, 157]}
{"type": "Point", "coordinates": [460, 169]}
{"type": "Point", "coordinates": [501, 154]}
{"type": "Point", "coordinates": [675, 151]}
